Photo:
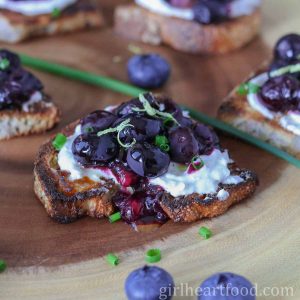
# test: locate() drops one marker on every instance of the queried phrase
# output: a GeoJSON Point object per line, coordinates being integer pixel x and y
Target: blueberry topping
{"type": "Point", "coordinates": [206, 137]}
{"type": "Point", "coordinates": [147, 160]}
{"type": "Point", "coordinates": [16, 84]}
{"type": "Point", "coordinates": [181, 3]}
{"type": "Point", "coordinates": [210, 11]}
{"type": "Point", "coordinates": [149, 283]}
{"type": "Point", "coordinates": [93, 150]}
{"type": "Point", "coordinates": [281, 93]}
{"type": "Point", "coordinates": [184, 145]}
{"type": "Point", "coordinates": [97, 121]}
{"type": "Point", "coordinates": [148, 70]}
{"type": "Point", "coordinates": [288, 48]}
{"type": "Point", "coordinates": [227, 286]}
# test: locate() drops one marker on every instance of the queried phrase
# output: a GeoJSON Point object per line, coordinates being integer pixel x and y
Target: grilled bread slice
{"type": "Point", "coordinates": [137, 23]}
{"type": "Point", "coordinates": [237, 111]}
{"type": "Point", "coordinates": [65, 200]}
{"type": "Point", "coordinates": [38, 118]}
{"type": "Point", "coordinates": [16, 27]}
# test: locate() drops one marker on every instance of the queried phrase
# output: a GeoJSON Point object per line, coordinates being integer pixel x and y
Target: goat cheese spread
{"type": "Point", "coordinates": [176, 181]}
{"type": "Point", "coordinates": [289, 121]}
{"type": "Point", "coordinates": [33, 8]}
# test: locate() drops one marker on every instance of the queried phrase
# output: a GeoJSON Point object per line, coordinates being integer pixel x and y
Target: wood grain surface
{"type": "Point", "coordinates": [259, 238]}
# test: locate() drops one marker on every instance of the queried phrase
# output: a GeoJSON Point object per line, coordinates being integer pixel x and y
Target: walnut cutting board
{"type": "Point", "coordinates": [259, 238]}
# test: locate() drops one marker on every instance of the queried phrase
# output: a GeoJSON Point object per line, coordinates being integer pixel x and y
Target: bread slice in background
{"type": "Point", "coordinates": [237, 111]}
{"type": "Point", "coordinates": [137, 23]}
{"type": "Point", "coordinates": [40, 117]}
{"type": "Point", "coordinates": [16, 27]}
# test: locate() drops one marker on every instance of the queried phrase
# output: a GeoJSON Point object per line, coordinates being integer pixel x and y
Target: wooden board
{"type": "Point", "coordinates": [258, 238]}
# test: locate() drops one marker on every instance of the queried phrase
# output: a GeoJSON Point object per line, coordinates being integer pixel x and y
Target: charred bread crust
{"type": "Point", "coordinates": [236, 111]}
{"type": "Point", "coordinates": [66, 204]}
{"type": "Point", "coordinates": [137, 23]}
{"type": "Point", "coordinates": [41, 116]}
{"type": "Point", "coordinates": [16, 27]}
{"type": "Point", "coordinates": [195, 207]}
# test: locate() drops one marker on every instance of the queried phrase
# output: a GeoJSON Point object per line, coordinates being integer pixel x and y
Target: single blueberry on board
{"type": "Point", "coordinates": [149, 283]}
{"type": "Point", "coordinates": [148, 70]}
{"type": "Point", "coordinates": [226, 286]}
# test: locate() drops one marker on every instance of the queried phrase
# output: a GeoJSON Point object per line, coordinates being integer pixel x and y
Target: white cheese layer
{"type": "Point", "coordinates": [289, 121]}
{"type": "Point", "coordinates": [33, 8]}
{"type": "Point", "coordinates": [35, 98]}
{"type": "Point", "coordinates": [67, 162]}
{"type": "Point", "coordinates": [176, 181]}
{"type": "Point", "coordinates": [236, 9]}
{"type": "Point", "coordinates": [203, 181]}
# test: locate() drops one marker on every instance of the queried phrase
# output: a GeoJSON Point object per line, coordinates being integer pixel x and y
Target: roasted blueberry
{"type": "Point", "coordinates": [206, 12]}
{"type": "Point", "coordinates": [281, 93]}
{"type": "Point", "coordinates": [90, 149]}
{"type": "Point", "coordinates": [148, 70]}
{"type": "Point", "coordinates": [147, 160]}
{"type": "Point", "coordinates": [149, 283]}
{"type": "Point", "coordinates": [97, 121]}
{"type": "Point", "coordinates": [26, 81]}
{"type": "Point", "coordinates": [288, 47]}
{"type": "Point", "coordinates": [227, 286]}
{"type": "Point", "coordinates": [206, 137]}
{"type": "Point", "coordinates": [183, 144]}
{"type": "Point", "coordinates": [127, 108]}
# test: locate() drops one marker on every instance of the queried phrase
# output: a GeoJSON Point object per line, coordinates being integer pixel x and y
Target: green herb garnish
{"type": "Point", "coordinates": [56, 13]}
{"type": "Point", "coordinates": [248, 88]}
{"type": "Point", "coordinates": [153, 256]}
{"type": "Point", "coordinates": [4, 64]}
{"type": "Point", "coordinates": [134, 49]}
{"type": "Point", "coordinates": [287, 69]}
{"type": "Point", "coordinates": [182, 168]}
{"type": "Point", "coordinates": [89, 129]}
{"type": "Point", "coordinates": [162, 142]}
{"type": "Point", "coordinates": [205, 232]}
{"type": "Point", "coordinates": [2, 265]}
{"type": "Point", "coordinates": [59, 141]}
{"type": "Point", "coordinates": [118, 129]}
{"type": "Point", "coordinates": [197, 162]}
{"type": "Point", "coordinates": [114, 217]}
{"type": "Point", "coordinates": [151, 111]}
{"type": "Point", "coordinates": [112, 259]}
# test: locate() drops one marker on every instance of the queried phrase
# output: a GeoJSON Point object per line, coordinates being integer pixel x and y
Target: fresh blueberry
{"type": "Point", "coordinates": [149, 283]}
{"type": "Point", "coordinates": [226, 286]}
{"type": "Point", "coordinates": [148, 70]}
{"type": "Point", "coordinates": [288, 47]}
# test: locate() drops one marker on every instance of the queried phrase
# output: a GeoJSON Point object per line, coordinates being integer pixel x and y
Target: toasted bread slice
{"type": "Point", "coordinates": [16, 27]}
{"type": "Point", "coordinates": [40, 117]}
{"type": "Point", "coordinates": [237, 111]}
{"type": "Point", "coordinates": [137, 23]}
{"type": "Point", "coordinates": [65, 200]}
{"type": "Point", "coordinates": [195, 207]}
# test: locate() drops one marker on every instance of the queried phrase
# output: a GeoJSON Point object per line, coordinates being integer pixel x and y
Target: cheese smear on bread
{"type": "Point", "coordinates": [33, 8]}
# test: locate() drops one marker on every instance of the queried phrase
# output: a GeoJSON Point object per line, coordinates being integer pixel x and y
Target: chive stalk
{"type": "Point", "coordinates": [133, 91]}
{"type": "Point", "coordinates": [205, 232]}
{"type": "Point", "coordinates": [112, 259]}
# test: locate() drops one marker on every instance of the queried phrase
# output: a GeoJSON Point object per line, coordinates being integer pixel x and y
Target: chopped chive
{"type": "Point", "coordinates": [287, 69]}
{"type": "Point", "coordinates": [162, 142]}
{"type": "Point", "coordinates": [112, 259]}
{"type": "Point", "coordinates": [2, 265]}
{"type": "Point", "coordinates": [4, 64]}
{"type": "Point", "coordinates": [134, 49]}
{"type": "Point", "coordinates": [115, 217]}
{"type": "Point", "coordinates": [248, 88]}
{"type": "Point", "coordinates": [56, 13]}
{"type": "Point", "coordinates": [153, 256]}
{"type": "Point", "coordinates": [89, 129]}
{"type": "Point", "coordinates": [59, 141]}
{"type": "Point", "coordinates": [205, 232]}
{"type": "Point", "coordinates": [197, 162]}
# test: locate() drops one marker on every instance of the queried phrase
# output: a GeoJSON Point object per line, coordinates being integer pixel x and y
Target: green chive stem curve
{"type": "Point", "coordinates": [123, 88]}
